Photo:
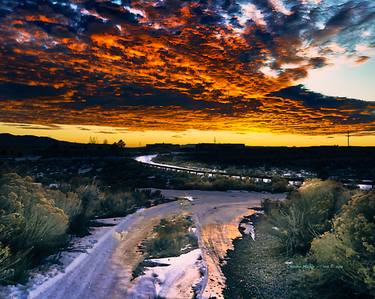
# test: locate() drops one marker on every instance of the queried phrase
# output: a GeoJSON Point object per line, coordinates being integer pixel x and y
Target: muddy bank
{"type": "Point", "coordinates": [254, 268]}
{"type": "Point", "coordinates": [217, 239]}
{"type": "Point", "coordinates": [217, 216]}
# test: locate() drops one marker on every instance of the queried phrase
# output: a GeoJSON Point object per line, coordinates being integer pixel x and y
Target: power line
{"type": "Point", "coordinates": [348, 137]}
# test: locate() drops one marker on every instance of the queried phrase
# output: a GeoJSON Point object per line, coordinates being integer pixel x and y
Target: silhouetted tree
{"type": "Point", "coordinates": [120, 144]}
{"type": "Point", "coordinates": [93, 140]}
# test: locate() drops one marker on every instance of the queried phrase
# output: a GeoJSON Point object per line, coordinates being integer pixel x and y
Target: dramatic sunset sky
{"type": "Point", "coordinates": [260, 72]}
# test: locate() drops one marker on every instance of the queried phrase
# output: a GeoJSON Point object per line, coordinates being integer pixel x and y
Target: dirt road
{"type": "Point", "coordinates": [106, 271]}
{"type": "Point", "coordinates": [96, 275]}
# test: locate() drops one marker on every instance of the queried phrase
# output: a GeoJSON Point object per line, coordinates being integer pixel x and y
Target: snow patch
{"type": "Point", "coordinates": [166, 276]}
{"type": "Point", "coordinates": [41, 278]}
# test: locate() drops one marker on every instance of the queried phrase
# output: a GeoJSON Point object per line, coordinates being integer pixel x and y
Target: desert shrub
{"type": "Point", "coordinates": [279, 184]}
{"type": "Point", "coordinates": [268, 205]}
{"type": "Point", "coordinates": [147, 197]}
{"type": "Point", "coordinates": [69, 202]}
{"type": "Point", "coordinates": [154, 195]}
{"type": "Point", "coordinates": [117, 204]}
{"type": "Point", "coordinates": [6, 263]}
{"type": "Point", "coordinates": [185, 181]}
{"type": "Point", "coordinates": [34, 221]}
{"type": "Point", "coordinates": [30, 213]}
{"type": "Point", "coordinates": [307, 213]}
{"type": "Point", "coordinates": [44, 226]}
{"type": "Point", "coordinates": [10, 217]}
{"type": "Point", "coordinates": [346, 255]}
{"type": "Point", "coordinates": [91, 200]}
{"type": "Point", "coordinates": [172, 238]}
{"type": "Point", "coordinates": [13, 265]}
{"type": "Point", "coordinates": [122, 203]}
{"type": "Point", "coordinates": [141, 199]}
{"type": "Point", "coordinates": [30, 224]}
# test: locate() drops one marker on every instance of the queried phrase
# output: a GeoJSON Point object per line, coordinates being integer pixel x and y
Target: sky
{"type": "Point", "coordinates": [259, 72]}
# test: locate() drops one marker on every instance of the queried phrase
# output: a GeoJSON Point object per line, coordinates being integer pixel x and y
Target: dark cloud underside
{"type": "Point", "coordinates": [170, 64]}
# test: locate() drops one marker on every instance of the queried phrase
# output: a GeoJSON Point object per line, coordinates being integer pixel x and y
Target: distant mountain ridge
{"type": "Point", "coordinates": [20, 145]}
{"type": "Point", "coordinates": [29, 145]}
{"type": "Point", "coordinates": [7, 139]}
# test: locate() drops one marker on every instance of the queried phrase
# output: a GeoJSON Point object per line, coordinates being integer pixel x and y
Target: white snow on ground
{"type": "Point", "coordinates": [94, 274]}
{"type": "Point", "coordinates": [98, 274]}
{"type": "Point", "coordinates": [189, 198]}
{"type": "Point", "coordinates": [249, 229]}
{"type": "Point", "coordinates": [84, 170]}
{"type": "Point", "coordinates": [364, 186]}
{"type": "Point", "coordinates": [146, 159]}
{"type": "Point", "coordinates": [41, 278]}
{"type": "Point", "coordinates": [175, 278]}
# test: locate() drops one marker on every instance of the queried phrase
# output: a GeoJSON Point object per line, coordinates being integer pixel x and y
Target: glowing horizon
{"type": "Point", "coordinates": [83, 134]}
{"type": "Point", "coordinates": [232, 67]}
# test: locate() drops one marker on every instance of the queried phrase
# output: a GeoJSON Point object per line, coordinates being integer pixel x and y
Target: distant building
{"type": "Point", "coordinates": [219, 146]}
{"type": "Point", "coordinates": [163, 147]}
{"type": "Point", "coordinates": [188, 146]}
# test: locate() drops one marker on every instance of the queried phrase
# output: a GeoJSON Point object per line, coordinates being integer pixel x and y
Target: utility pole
{"type": "Point", "coordinates": [348, 136]}
{"type": "Point", "coordinates": [214, 139]}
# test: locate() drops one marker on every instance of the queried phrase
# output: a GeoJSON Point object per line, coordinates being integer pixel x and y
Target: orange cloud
{"type": "Point", "coordinates": [178, 65]}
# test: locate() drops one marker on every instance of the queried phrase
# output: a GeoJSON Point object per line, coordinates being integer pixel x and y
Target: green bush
{"type": "Point", "coordinates": [307, 213]}
{"type": "Point", "coordinates": [6, 263]}
{"type": "Point", "coordinates": [44, 226]}
{"type": "Point", "coordinates": [269, 206]}
{"type": "Point", "coordinates": [122, 203]}
{"type": "Point", "coordinates": [346, 255]}
{"type": "Point", "coordinates": [30, 224]}
{"type": "Point", "coordinates": [171, 236]}
{"type": "Point", "coordinates": [35, 221]}
{"type": "Point", "coordinates": [68, 202]}
{"type": "Point", "coordinates": [91, 200]}
{"type": "Point", "coordinates": [331, 231]}
{"type": "Point", "coordinates": [117, 204]}
{"type": "Point", "coordinates": [12, 265]}
{"type": "Point", "coordinates": [30, 214]}
{"type": "Point", "coordinates": [279, 184]}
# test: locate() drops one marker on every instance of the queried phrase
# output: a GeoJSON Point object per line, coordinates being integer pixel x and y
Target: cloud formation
{"type": "Point", "coordinates": [168, 64]}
